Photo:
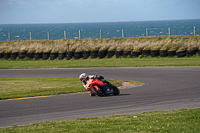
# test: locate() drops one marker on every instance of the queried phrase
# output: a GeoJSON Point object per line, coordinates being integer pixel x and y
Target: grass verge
{"type": "Point", "coordinates": [113, 62]}
{"type": "Point", "coordinates": [29, 87]}
{"type": "Point", "coordinates": [181, 121]}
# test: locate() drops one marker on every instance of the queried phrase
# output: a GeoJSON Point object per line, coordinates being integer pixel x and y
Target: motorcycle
{"type": "Point", "coordinates": [99, 88]}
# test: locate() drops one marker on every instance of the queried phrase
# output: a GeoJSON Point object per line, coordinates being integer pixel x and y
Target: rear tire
{"type": "Point", "coordinates": [97, 92]}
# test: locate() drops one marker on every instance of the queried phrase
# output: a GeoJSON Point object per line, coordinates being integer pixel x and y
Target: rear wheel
{"type": "Point", "coordinates": [97, 91]}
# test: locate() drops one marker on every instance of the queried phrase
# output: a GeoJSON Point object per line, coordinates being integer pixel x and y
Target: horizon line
{"type": "Point", "coordinates": [100, 22]}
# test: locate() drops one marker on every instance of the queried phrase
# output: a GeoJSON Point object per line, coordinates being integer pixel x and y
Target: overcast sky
{"type": "Point", "coordinates": [79, 11]}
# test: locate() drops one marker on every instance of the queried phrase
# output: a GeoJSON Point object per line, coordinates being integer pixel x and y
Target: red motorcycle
{"type": "Point", "coordinates": [99, 88]}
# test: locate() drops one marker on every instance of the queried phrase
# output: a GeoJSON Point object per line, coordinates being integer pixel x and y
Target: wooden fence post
{"type": "Point", "coordinates": [9, 36]}
{"type": "Point", "coordinates": [30, 36]}
{"type": "Point", "coordinates": [100, 35]}
{"type": "Point", "coordinates": [147, 32]}
{"type": "Point", "coordinates": [80, 34]}
{"type": "Point", "coordinates": [194, 31]}
{"type": "Point", "coordinates": [169, 32]}
{"type": "Point", "coordinates": [65, 35]}
{"type": "Point", "coordinates": [48, 35]}
{"type": "Point", "coordinates": [122, 33]}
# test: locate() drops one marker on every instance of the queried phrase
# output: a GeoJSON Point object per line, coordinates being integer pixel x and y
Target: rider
{"type": "Point", "coordinates": [84, 78]}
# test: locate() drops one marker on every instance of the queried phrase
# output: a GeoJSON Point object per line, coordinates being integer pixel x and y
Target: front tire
{"type": "Point", "coordinates": [116, 90]}
{"type": "Point", "coordinates": [97, 92]}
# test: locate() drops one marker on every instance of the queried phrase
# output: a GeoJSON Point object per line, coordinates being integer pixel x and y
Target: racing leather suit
{"type": "Point", "coordinates": [95, 76]}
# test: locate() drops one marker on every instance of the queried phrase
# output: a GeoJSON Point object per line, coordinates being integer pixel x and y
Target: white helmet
{"type": "Point", "coordinates": [82, 77]}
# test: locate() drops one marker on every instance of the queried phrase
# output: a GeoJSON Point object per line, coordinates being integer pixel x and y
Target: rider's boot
{"type": "Point", "coordinates": [109, 91]}
{"type": "Point", "coordinates": [92, 94]}
{"type": "Point", "coordinates": [104, 90]}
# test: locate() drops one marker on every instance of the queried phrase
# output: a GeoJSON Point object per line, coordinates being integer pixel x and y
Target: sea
{"type": "Point", "coordinates": [59, 31]}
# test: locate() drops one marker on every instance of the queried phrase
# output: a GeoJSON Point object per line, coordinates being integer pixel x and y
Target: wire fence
{"type": "Point", "coordinates": [104, 33]}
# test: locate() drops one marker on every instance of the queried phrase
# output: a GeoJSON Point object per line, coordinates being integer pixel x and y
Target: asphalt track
{"type": "Point", "coordinates": [166, 88]}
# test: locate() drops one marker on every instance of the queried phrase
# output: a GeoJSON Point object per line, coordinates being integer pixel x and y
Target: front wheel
{"type": "Point", "coordinates": [116, 90]}
{"type": "Point", "coordinates": [97, 91]}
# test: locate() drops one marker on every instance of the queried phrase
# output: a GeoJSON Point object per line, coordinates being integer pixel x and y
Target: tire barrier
{"type": "Point", "coordinates": [1, 55]}
{"type": "Point", "coordinates": [190, 53]}
{"type": "Point", "coordinates": [181, 53]}
{"type": "Point", "coordinates": [53, 56]}
{"type": "Point", "coordinates": [102, 54]}
{"type": "Point", "coordinates": [78, 55]}
{"type": "Point", "coordinates": [110, 54]}
{"type": "Point", "coordinates": [135, 54]}
{"type": "Point", "coordinates": [199, 52]}
{"type": "Point", "coordinates": [97, 54]}
{"type": "Point", "coordinates": [171, 53]}
{"type": "Point", "coordinates": [13, 56]}
{"type": "Point", "coordinates": [86, 54]}
{"type": "Point", "coordinates": [6, 56]}
{"type": "Point", "coordinates": [154, 53]}
{"type": "Point", "coordinates": [70, 55]}
{"type": "Point", "coordinates": [30, 56]}
{"type": "Point", "coordinates": [22, 55]}
{"type": "Point", "coordinates": [61, 56]}
{"type": "Point", "coordinates": [145, 53]}
{"type": "Point", "coordinates": [118, 53]}
{"type": "Point", "coordinates": [126, 54]}
{"type": "Point", "coordinates": [163, 53]}
{"type": "Point", "coordinates": [38, 56]}
{"type": "Point", "coordinates": [45, 55]}
{"type": "Point", "coordinates": [94, 54]}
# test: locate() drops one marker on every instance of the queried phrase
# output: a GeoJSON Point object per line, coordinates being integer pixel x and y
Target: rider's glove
{"type": "Point", "coordinates": [108, 83]}
{"type": "Point", "coordinates": [95, 77]}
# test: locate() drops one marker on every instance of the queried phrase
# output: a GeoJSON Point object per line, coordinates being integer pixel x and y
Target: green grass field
{"type": "Point", "coordinates": [30, 87]}
{"type": "Point", "coordinates": [113, 62]}
{"type": "Point", "coordinates": [176, 121]}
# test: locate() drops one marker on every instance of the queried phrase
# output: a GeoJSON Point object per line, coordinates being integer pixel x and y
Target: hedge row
{"type": "Point", "coordinates": [97, 54]}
